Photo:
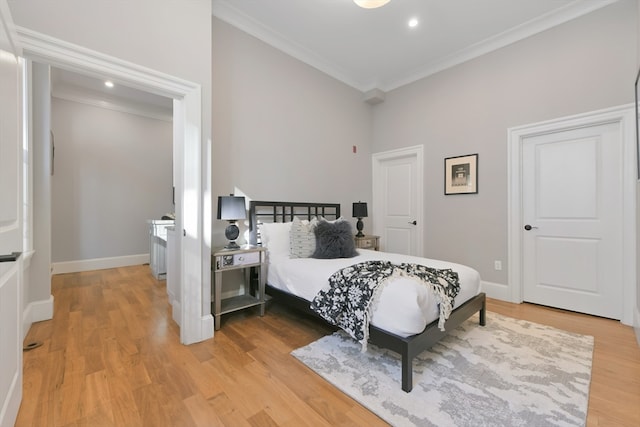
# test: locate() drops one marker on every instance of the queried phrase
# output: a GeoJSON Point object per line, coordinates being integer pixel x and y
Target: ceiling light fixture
{"type": "Point", "coordinates": [370, 4]}
{"type": "Point", "coordinates": [413, 22]}
{"type": "Point", "coordinates": [108, 84]}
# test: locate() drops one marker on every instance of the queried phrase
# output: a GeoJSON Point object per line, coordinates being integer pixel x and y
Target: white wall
{"type": "Point", "coordinates": [583, 65]}
{"type": "Point", "coordinates": [283, 130]}
{"type": "Point", "coordinates": [113, 172]}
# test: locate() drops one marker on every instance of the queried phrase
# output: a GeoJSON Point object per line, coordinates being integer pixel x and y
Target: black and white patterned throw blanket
{"type": "Point", "coordinates": [348, 301]}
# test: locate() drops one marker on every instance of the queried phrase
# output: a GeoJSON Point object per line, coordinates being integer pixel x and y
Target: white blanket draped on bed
{"type": "Point", "coordinates": [404, 307]}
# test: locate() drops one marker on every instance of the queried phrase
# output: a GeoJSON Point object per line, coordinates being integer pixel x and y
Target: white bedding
{"type": "Point", "coordinates": [405, 306]}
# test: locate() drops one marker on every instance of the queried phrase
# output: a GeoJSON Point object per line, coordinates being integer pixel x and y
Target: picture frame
{"type": "Point", "coordinates": [461, 174]}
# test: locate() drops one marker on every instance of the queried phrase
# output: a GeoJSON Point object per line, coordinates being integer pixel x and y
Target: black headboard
{"type": "Point", "coordinates": [261, 212]}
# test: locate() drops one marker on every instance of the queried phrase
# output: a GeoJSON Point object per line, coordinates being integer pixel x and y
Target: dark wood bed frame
{"type": "Point", "coordinates": [409, 347]}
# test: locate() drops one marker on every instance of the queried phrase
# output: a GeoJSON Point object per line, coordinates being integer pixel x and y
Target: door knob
{"type": "Point", "coordinates": [528, 227]}
{"type": "Point", "coordinates": [413, 222]}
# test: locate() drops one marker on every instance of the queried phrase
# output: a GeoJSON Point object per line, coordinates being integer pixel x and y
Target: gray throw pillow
{"type": "Point", "coordinates": [334, 240]}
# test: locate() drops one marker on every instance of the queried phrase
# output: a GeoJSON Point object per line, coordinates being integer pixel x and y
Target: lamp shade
{"type": "Point", "coordinates": [359, 210]}
{"type": "Point", "coordinates": [231, 208]}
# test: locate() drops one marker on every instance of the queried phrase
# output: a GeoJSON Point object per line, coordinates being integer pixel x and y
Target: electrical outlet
{"type": "Point", "coordinates": [497, 265]}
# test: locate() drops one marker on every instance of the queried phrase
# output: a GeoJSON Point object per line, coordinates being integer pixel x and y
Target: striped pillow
{"type": "Point", "coordinates": [302, 237]}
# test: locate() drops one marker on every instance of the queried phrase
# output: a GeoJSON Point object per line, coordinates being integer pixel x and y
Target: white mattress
{"type": "Point", "coordinates": [405, 306]}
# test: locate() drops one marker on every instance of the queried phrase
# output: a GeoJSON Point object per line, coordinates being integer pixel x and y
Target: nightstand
{"type": "Point", "coordinates": [247, 259]}
{"type": "Point", "coordinates": [368, 242]}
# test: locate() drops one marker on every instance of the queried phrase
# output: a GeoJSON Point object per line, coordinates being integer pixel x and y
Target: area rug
{"type": "Point", "coordinates": [508, 373]}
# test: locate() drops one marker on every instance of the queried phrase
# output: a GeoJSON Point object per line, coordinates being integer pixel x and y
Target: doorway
{"type": "Point", "coordinates": [571, 220]}
{"type": "Point", "coordinates": [398, 200]}
{"type": "Point", "coordinates": [192, 172]}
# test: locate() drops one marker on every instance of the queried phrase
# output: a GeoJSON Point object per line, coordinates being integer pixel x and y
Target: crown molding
{"type": "Point", "coordinates": [58, 53]}
{"type": "Point", "coordinates": [545, 22]}
{"type": "Point", "coordinates": [223, 10]}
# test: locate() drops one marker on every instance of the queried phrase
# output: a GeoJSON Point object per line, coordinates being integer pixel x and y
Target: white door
{"type": "Point", "coordinates": [397, 200]}
{"type": "Point", "coordinates": [10, 232]}
{"type": "Point", "coordinates": [572, 199]}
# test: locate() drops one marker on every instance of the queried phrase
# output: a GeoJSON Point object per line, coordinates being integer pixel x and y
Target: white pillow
{"type": "Point", "coordinates": [302, 237]}
{"type": "Point", "coordinates": [275, 237]}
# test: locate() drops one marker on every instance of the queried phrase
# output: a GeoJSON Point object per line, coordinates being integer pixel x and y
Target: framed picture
{"type": "Point", "coordinates": [461, 174]}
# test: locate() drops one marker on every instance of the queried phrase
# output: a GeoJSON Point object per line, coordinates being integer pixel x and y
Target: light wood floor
{"type": "Point", "coordinates": [111, 357]}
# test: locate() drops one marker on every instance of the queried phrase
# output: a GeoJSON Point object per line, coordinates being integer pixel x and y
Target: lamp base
{"type": "Point", "coordinates": [231, 233]}
{"type": "Point", "coordinates": [359, 227]}
{"type": "Point", "coordinates": [232, 245]}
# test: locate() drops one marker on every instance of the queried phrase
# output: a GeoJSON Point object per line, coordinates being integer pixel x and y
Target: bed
{"type": "Point", "coordinates": [294, 281]}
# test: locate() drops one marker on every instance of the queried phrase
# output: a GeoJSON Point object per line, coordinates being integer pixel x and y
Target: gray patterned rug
{"type": "Point", "coordinates": [509, 373]}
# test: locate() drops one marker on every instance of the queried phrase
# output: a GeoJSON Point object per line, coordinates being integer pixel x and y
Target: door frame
{"type": "Point", "coordinates": [624, 117]}
{"type": "Point", "coordinates": [192, 168]}
{"type": "Point", "coordinates": [416, 151]}
{"type": "Point", "coordinates": [12, 273]}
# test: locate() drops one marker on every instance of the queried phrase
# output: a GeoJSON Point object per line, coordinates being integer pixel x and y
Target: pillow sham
{"type": "Point", "coordinates": [275, 237]}
{"type": "Point", "coordinates": [302, 237]}
{"type": "Point", "coordinates": [334, 240]}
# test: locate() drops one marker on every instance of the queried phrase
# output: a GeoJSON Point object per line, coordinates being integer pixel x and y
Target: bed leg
{"type": "Point", "coordinates": [407, 373]}
{"type": "Point", "coordinates": [483, 314]}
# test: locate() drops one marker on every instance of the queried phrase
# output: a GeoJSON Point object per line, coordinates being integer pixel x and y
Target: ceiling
{"type": "Point", "coordinates": [91, 90]}
{"type": "Point", "coordinates": [375, 48]}
{"type": "Point", "coordinates": [368, 49]}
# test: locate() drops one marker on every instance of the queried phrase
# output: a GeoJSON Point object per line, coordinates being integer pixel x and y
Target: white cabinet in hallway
{"type": "Point", "coordinates": [158, 246]}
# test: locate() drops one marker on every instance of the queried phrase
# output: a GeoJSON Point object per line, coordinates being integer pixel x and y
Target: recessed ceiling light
{"type": "Point", "coordinates": [413, 22]}
{"type": "Point", "coordinates": [108, 84]}
{"type": "Point", "coordinates": [370, 4]}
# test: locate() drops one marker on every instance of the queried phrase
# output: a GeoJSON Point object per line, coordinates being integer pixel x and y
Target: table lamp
{"type": "Point", "coordinates": [231, 208]}
{"type": "Point", "coordinates": [359, 211]}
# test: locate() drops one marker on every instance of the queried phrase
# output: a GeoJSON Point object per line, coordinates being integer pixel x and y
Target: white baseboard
{"type": "Point", "coordinates": [98, 263]}
{"type": "Point", "coordinates": [176, 311]}
{"type": "Point", "coordinates": [497, 291]}
{"type": "Point", "coordinates": [36, 311]}
{"type": "Point", "coordinates": [636, 324]}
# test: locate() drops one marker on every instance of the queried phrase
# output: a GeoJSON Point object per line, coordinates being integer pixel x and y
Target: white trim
{"type": "Point", "coordinates": [192, 210]}
{"type": "Point", "coordinates": [114, 105]}
{"type": "Point", "coordinates": [552, 19]}
{"type": "Point", "coordinates": [636, 324]}
{"type": "Point", "coordinates": [58, 53]}
{"type": "Point", "coordinates": [176, 311]}
{"type": "Point", "coordinates": [496, 290]}
{"type": "Point", "coordinates": [624, 115]}
{"type": "Point", "coordinates": [377, 159]}
{"type": "Point", "coordinates": [26, 259]}
{"type": "Point", "coordinates": [225, 11]}
{"type": "Point", "coordinates": [36, 311]}
{"type": "Point", "coordinates": [98, 263]}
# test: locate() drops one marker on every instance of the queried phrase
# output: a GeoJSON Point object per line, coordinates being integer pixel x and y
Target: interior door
{"type": "Point", "coordinates": [572, 213]}
{"type": "Point", "coordinates": [397, 200]}
{"type": "Point", "coordinates": [10, 232]}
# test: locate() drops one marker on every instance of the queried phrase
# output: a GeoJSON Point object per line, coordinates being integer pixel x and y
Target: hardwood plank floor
{"type": "Point", "coordinates": [111, 357]}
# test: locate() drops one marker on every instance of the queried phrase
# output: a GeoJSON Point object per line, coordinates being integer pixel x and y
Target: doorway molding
{"type": "Point", "coordinates": [623, 116]}
{"type": "Point", "coordinates": [190, 163]}
{"type": "Point", "coordinates": [378, 159]}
